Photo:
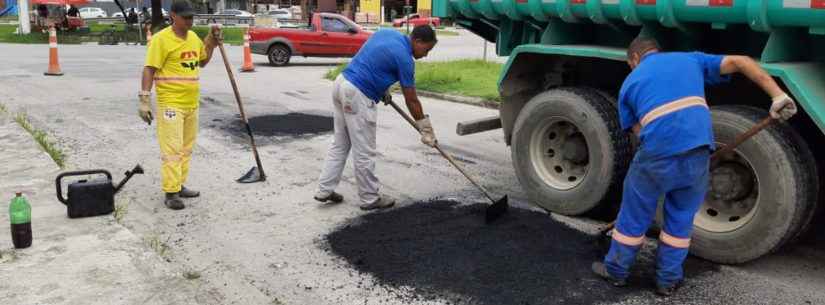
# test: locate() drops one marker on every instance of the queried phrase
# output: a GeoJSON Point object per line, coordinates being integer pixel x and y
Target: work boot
{"type": "Point", "coordinates": [667, 291]}
{"type": "Point", "coordinates": [187, 193]}
{"type": "Point", "coordinates": [383, 202]}
{"type": "Point", "coordinates": [600, 270]}
{"type": "Point", "coordinates": [173, 201]}
{"type": "Point", "coordinates": [324, 196]}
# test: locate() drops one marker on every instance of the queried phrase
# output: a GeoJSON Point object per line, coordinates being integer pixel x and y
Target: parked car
{"type": "Point", "coordinates": [328, 35]}
{"type": "Point", "coordinates": [416, 20]}
{"type": "Point", "coordinates": [238, 13]}
{"type": "Point", "coordinates": [280, 14]}
{"type": "Point", "coordinates": [92, 12]}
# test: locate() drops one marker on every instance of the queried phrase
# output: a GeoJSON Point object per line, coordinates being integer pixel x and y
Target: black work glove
{"type": "Point", "coordinates": [387, 98]}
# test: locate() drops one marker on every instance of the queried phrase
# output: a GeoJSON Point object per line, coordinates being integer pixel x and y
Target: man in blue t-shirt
{"type": "Point", "coordinates": [386, 58]}
{"type": "Point", "coordinates": [663, 102]}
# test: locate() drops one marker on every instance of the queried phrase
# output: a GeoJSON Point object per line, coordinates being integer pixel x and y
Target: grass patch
{"type": "Point", "coordinates": [3, 109]}
{"type": "Point", "coordinates": [232, 36]}
{"type": "Point", "coordinates": [42, 138]}
{"type": "Point", "coordinates": [7, 35]}
{"type": "Point", "coordinates": [333, 73]}
{"type": "Point", "coordinates": [466, 77]}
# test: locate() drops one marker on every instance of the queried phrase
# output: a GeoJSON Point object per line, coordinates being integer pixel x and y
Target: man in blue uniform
{"type": "Point", "coordinates": [386, 58]}
{"type": "Point", "coordinates": [663, 102]}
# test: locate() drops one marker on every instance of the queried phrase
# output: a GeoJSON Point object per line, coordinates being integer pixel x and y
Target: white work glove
{"type": "Point", "coordinates": [783, 107]}
{"type": "Point", "coordinates": [145, 108]}
{"type": "Point", "coordinates": [427, 132]}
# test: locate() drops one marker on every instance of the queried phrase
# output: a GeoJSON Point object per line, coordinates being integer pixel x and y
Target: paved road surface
{"type": "Point", "coordinates": [264, 243]}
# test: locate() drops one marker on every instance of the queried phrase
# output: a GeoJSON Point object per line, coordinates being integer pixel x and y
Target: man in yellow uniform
{"type": "Point", "coordinates": [173, 63]}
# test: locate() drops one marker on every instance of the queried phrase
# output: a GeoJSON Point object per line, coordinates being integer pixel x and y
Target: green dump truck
{"type": "Point", "coordinates": [559, 114]}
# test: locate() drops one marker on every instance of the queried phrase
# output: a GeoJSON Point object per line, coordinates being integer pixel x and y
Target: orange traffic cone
{"type": "Point", "coordinates": [247, 54]}
{"type": "Point", "coordinates": [54, 66]}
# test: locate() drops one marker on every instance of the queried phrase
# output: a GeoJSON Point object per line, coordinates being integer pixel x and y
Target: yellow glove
{"type": "Point", "coordinates": [427, 132]}
{"type": "Point", "coordinates": [145, 108]}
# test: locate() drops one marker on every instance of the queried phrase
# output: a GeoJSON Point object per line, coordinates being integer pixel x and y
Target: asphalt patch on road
{"type": "Point", "coordinates": [443, 250]}
{"type": "Point", "coordinates": [283, 125]}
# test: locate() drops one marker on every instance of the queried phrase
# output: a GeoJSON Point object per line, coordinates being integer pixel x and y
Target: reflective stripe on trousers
{"type": "Point", "coordinates": [177, 131]}
{"type": "Point", "coordinates": [354, 119]}
{"type": "Point", "coordinates": [683, 181]}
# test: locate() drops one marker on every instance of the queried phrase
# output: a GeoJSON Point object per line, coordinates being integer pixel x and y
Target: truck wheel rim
{"type": "Point", "coordinates": [732, 198]}
{"type": "Point", "coordinates": [559, 154]}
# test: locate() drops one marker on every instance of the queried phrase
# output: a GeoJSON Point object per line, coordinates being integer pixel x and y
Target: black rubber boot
{"type": "Point", "coordinates": [600, 270]}
{"type": "Point", "coordinates": [667, 291]}
{"type": "Point", "coordinates": [173, 201]}
{"type": "Point", "coordinates": [188, 193]}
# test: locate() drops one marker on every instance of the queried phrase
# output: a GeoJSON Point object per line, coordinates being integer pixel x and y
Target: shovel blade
{"type": "Point", "coordinates": [497, 209]}
{"type": "Point", "coordinates": [253, 175]}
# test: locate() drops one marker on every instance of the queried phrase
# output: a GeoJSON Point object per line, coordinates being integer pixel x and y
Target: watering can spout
{"type": "Point", "coordinates": [136, 170]}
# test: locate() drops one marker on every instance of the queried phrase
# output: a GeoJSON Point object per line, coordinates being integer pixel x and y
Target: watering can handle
{"type": "Point", "coordinates": [77, 173]}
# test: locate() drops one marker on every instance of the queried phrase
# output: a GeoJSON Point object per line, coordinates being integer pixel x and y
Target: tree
{"type": "Point", "coordinates": [157, 14]}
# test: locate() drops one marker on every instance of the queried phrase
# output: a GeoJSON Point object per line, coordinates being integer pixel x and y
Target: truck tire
{"type": "Point", "coordinates": [569, 151]}
{"type": "Point", "coordinates": [760, 197]}
{"type": "Point", "coordinates": [279, 55]}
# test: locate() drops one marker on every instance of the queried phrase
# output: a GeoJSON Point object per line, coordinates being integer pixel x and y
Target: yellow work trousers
{"type": "Point", "coordinates": [177, 131]}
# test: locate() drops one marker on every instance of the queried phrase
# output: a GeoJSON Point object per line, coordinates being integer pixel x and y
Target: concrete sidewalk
{"type": "Point", "coordinates": [74, 261]}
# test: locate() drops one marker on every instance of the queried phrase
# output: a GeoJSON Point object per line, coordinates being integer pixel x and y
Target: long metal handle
{"type": "Point", "coordinates": [765, 123]}
{"type": "Point", "coordinates": [240, 106]}
{"type": "Point", "coordinates": [444, 154]}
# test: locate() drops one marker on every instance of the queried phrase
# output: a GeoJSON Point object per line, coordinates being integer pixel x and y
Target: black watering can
{"type": "Point", "coordinates": [91, 197]}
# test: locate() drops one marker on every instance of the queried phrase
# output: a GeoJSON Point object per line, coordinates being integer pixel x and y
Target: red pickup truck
{"type": "Point", "coordinates": [328, 35]}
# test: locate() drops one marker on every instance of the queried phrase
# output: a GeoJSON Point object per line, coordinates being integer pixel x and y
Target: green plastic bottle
{"type": "Point", "coordinates": [20, 213]}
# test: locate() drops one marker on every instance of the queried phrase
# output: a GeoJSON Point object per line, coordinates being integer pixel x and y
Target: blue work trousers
{"type": "Point", "coordinates": [683, 181]}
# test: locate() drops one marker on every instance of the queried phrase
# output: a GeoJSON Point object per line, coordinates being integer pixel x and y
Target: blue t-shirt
{"type": "Point", "coordinates": [661, 78]}
{"type": "Point", "coordinates": [384, 59]}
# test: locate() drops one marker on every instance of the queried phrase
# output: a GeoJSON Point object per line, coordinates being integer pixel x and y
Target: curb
{"type": "Point", "coordinates": [474, 101]}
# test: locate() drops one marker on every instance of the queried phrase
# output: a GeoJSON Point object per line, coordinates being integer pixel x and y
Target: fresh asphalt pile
{"type": "Point", "coordinates": [291, 124]}
{"type": "Point", "coordinates": [443, 250]}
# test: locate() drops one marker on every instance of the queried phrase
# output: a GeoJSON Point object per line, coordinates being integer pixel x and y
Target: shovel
{"type": "Point", "coordinates": [497, 208]}
{"type": "Point", "coordinates": [255, 174]}
{"type": "Point", "coordinates": [716, 156]}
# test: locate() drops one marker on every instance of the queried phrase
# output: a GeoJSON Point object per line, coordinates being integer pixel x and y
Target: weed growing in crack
{"type": "Point", "coordinates": [160, 247]}
{"type": "Point", "coordinates": [277, 302]}
{"type": "Point", "coordinates": [42, 138]}
{"type": "Point", "coordinates": [7, 256]}
{"type": "Point", "coordinates": [191, 275]}
{"type": "Point", "coordinates": [120, 211]}
{"type": "Point", "coordinates": [3, 108]}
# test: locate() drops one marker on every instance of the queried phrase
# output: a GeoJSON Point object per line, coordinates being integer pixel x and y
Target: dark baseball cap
{"type": "Point", "coordinates": [183, 9]}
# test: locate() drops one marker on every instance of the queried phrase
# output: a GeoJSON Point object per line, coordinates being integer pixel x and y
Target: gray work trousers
{"type": "Point", "coordinates": [354, 118]}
